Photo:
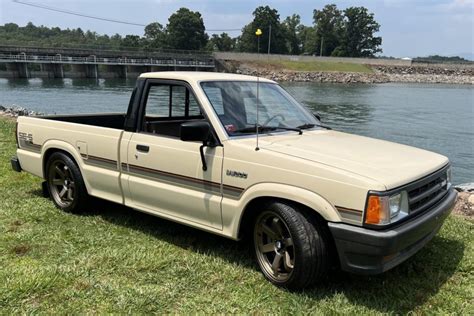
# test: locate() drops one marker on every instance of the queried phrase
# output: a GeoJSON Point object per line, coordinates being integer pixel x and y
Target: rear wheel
{"type": "Point", "coordinates": [65, 183]}
{"type": "Point", "coordinates": [290, 246]}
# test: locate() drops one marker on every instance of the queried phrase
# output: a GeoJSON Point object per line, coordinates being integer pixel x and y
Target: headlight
{"type": "Point", "coordinates": [386, 209]}
{"type": "Point", "coordinates": [394, 204]}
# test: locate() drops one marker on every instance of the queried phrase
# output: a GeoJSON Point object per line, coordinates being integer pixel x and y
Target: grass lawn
{"type": "Point", "coordinates": [117, 260]}
{"type": "Point", "coordinates": [314, 66]}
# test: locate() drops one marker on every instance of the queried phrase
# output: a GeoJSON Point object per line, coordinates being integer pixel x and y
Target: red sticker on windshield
{"type": "Point", "coordinates": [230, 128]}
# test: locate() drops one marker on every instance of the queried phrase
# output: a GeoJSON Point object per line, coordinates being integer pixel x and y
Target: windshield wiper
{"type": "Point", "coordinates": [263, 128]}
{"type": "Point", "coordinates": [310, 125]}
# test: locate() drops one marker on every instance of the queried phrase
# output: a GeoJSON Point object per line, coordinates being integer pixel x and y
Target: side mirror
{"type": "Point", "coordinates": [317, 115]}
{"type": "Point", "coordinates": [195, 131]}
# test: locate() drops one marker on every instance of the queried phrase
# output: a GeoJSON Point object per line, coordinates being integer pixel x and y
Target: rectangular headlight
{"type": "Point", "coordinates": [394, 204]}
{"type": "Point", "coordinates": [386, 209]}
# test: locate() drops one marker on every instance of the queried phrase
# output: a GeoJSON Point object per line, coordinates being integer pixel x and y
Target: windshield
{"type": "Point", "coordinates": [235, 103]}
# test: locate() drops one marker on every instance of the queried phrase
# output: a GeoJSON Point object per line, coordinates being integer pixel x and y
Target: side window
{"type": "Point", "coordinates": [167, 107]}
{"type": "Point", "coordinates": [194, 109]}
{"type": "Point", "coordinates": [178, 101]}
{"type": "Point", "coordinates": [157, 104]}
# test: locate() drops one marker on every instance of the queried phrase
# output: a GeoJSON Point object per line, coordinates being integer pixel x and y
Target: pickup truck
{"type": "Point", "coordinates": [238, 156]}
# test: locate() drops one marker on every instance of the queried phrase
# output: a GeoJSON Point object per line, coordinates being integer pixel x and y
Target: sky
{"type": "Point", "coordinates": [409, 28]}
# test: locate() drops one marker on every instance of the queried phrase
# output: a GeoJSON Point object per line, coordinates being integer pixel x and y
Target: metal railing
{"type": "Point", "coordinates": [60, 59]}
{"type": "Point", "coordinates": [99, 50]}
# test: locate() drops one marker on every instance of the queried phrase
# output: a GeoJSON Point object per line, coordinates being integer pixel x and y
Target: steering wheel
{"type": "Point", "coordinates": [272, 118]}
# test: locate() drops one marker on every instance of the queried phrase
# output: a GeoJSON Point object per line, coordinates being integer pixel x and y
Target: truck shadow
{"type": "Point", "coordinates": [418, 279]}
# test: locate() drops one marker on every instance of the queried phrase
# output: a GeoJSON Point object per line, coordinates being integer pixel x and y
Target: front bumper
{"type": "Point", "coordinates": [367, 251]}
{"type": "Point", "coordinates": [16, 164]}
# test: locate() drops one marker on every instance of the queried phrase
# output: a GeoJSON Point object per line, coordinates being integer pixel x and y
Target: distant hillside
{"type": "Point", "coordinates": [442, 59]}
{"type": "Point", "coordinates": [468, 56]}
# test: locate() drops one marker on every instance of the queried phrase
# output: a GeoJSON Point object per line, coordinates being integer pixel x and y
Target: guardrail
{"type": "Point", "coordinates": [82, 50]}
{"type": "Point", "coordinates": [60, 59]}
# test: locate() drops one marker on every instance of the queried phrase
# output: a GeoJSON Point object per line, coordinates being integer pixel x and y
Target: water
{"type": "Point", "coordinates": [437, 117]}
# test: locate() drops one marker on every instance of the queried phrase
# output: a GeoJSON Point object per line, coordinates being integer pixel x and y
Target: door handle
{"type": "Point", "coordinates": [143, 148]}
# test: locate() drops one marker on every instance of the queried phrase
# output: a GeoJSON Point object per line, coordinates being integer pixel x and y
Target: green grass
{"type": "Point", "coordinates": [316, 66]}
{"type": "Point", "coordinates": [116, 260]}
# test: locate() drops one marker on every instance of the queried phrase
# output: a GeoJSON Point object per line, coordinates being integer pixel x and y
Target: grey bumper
{"type": "Point", "coordinates": [367, 251]}
{"type": "Point", "coordinates": [16, 164]}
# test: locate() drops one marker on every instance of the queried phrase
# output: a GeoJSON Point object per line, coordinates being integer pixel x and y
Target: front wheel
{"type": "Point", "coordinates": [290, 246]}
{"type": "Point", "coordinates": [65, 183]}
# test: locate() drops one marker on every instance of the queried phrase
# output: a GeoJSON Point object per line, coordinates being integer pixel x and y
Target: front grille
{"type": "Point", "coordinates": [428, 191]}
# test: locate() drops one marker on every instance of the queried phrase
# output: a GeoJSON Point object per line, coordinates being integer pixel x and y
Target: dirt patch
{"type": "Point", "coordinates": [6, 116]}
{"type": "Point", "coordinates": [465, 205]}
{"type": "Point", "coordinates": [82, 285]}
{"type": "Point", "coordinates": [21, 250]}
{"type": "Point", "coordinates": [14, 226]}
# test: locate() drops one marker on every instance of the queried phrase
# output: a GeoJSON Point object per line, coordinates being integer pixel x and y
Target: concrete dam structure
{"type": "Point", "coordinates": [31, 62]}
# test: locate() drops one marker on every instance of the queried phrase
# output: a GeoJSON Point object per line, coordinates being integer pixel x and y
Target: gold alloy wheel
{"type": "Point", "coordinates": [61, 183]}
{"type": "Point", "coordinates": [274, 246]}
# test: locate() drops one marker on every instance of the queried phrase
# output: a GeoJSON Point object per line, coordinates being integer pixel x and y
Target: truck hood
{"type": "Point", "coordinates": [388, 163]}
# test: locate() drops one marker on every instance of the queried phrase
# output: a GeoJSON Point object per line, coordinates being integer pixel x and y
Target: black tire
{"type": "Point", "coordinates": [65, 183]}
{"type": "Point", "coordinates": [304, 260]}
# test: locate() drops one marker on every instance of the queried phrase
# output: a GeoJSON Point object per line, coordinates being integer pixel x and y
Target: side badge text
{"type": "Point", "coordinates": [237, 174]}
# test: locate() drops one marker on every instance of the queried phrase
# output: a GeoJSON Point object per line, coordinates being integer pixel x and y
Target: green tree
{"type": "Point", "coordinates": [358, 39]}
{"type": "Point", "coordinates": [328, 23]}
{"type": "Point", "coordinates": [130, 41]}
{"type": "Point", "coordinates": [264, 17]}
{"type": "Point", "coordinates": [307, 38]}
{"type": "Point", "coordinates": [186, 30]}
{"type": "Point", "coordinates": [292, 28]}
{"type": "Point", "coordinates": [11, 27]}
{"type": "Point", "coordinates": [12, 34]}
{"type": "Point", "coordinates": [222, 43]}
{"type": "Point", "coordinates": [155, 36]}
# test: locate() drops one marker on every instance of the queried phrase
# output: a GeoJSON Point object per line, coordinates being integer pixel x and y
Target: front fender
{"type": "Point", "coordinates": [300, 195]}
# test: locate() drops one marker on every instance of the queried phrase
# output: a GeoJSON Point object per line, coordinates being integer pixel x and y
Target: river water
{"type": "Point", "coordinates": [436, 117]}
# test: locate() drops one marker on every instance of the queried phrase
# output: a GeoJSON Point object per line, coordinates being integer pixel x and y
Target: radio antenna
{"type": "Point", "coordinates": [258, 33]}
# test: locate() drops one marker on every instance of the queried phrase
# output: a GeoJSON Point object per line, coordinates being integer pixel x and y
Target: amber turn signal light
{"type": "Point", "coordinates": [374, 210]}
{"type": "Point", "coordinates": [377, 211]}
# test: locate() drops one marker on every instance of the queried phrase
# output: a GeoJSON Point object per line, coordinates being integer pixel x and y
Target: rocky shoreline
{"type": "Point", "coordinates": [380, 74]}
{"type": "Point", "coordinates": [465, 202]}
{"type": "Point", "coordinates": [15, 111]}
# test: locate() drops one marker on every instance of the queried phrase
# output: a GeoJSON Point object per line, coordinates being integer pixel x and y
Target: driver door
{"type": "Point", "coordinates": [165, 173]}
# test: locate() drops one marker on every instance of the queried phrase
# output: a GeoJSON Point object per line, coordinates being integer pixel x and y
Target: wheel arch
{"type": "Point", "coordinates": [306, 200]}
{"type": "Point", "coordinates": [51, 147]}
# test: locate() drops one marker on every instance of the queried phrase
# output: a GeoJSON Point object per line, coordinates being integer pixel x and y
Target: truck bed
{"type": "Point", "coordinates": [110, 120]}
{"type": "Point", "coordinates": [93, 141]}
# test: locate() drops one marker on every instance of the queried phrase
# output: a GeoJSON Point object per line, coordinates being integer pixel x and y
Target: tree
{"type": "Point", "coordinates": [328, 23]}
{"type": "Point", "coordinates": [222, 43]}
{"type": "Point", "coordinates": [264, 17]}
{"type": "Point", "coordinates": [11, 27]}
{"type": "Point", "coordinates": [307, 38]}
{"type": "Point", "coordinates": [358, 38]}
{"type": "Point", "coordinates": [292, 27]}
{"type": "Point", "coordinates": [186, 30]}
{"type": "Point", "coordinates": [130, 41]}
{"type": "Point", "coordinates": [155, 35]}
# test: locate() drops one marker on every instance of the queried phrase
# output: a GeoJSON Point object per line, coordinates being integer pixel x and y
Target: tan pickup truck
{"type": "Point", "coordinates": [237, 156]}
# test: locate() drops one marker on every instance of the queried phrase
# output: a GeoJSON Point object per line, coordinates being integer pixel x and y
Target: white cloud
{"type": "Point", "coordinates": [457, 5]}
